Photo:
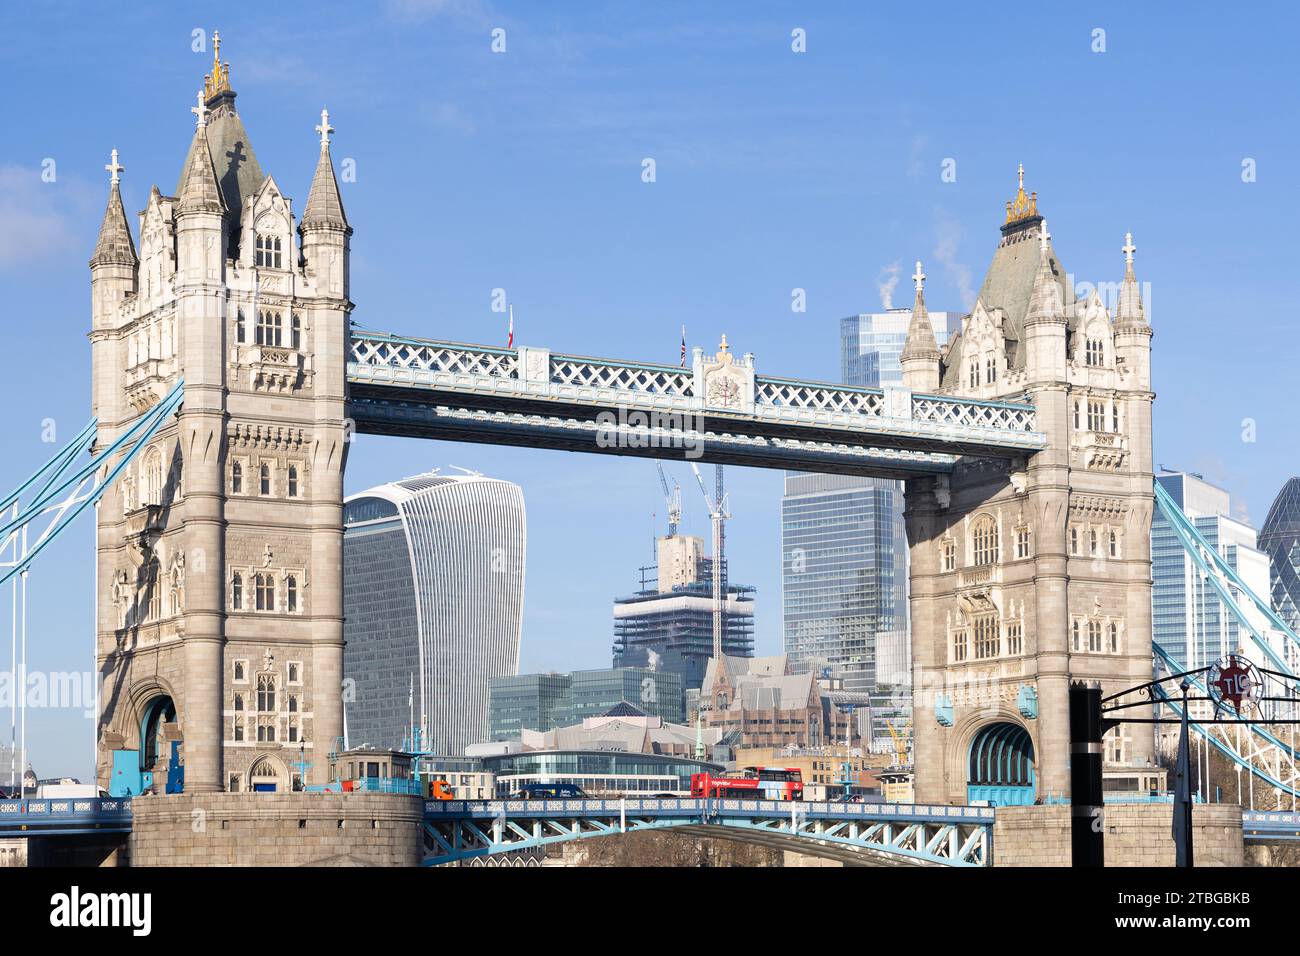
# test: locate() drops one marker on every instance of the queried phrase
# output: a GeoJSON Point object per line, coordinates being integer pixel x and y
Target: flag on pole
{"type": "Point", "coordinates": [682, 363]}
{"type": "Point", "coordinates": [510, 335]}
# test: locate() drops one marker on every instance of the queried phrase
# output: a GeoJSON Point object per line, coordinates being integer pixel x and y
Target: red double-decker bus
{"type": "Point", "coordinates": [753, 783]}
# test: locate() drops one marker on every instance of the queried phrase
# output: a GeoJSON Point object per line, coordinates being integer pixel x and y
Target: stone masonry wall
{"type": "Point", "coordinates": [276, 829]}
{"type": "Point", "coordinates": [1136, 835]}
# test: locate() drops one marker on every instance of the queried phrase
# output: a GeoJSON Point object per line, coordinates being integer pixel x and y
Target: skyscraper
{"type": "Point", "coordinates": [844, 547]}
{"type": "Point", "coordinates": [433, 593]}
{"type": "Point", "coordinates": [1279, 538]}
{"type": "Point", "coordinates": [670, 627]}
{"type": "Point", "coordinates": [1188, 620]}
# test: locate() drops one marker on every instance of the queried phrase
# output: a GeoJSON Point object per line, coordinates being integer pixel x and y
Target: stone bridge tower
{"type": "Point", "coordinates": [219, 611]}
{"type": "Point", "coordinates": [1029, 574]}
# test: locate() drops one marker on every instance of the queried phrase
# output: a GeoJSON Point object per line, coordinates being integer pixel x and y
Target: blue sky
{"type": "Point", "coordinates": [775, 171]}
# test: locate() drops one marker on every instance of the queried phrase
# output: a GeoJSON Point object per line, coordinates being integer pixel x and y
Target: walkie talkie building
{"type": "Point", "coordinates": [433, 595]}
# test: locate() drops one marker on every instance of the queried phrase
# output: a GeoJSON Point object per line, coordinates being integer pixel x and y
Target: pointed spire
{"type": "Point", "coordinates": [199, 190]}
{"type": "Point", "coordinates": [921, 343]}
{"type": "Point", "coordinates": [1045, 302]}
{"type": "Point", "coordinates": [324, 204]}
{"type": "Point", "coordinates": [1129, 312]}
{"type": "Point", "coordinates": [114, 244]}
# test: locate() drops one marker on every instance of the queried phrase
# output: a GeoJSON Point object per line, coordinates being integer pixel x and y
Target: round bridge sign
{"type": "Point", "coordinates": [1234, 682]}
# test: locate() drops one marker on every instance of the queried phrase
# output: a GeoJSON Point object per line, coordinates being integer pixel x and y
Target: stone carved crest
{"type": "Point", "coordinates": [726, 384]}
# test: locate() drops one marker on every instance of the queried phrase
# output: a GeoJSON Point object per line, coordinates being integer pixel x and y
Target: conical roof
{"type": "Point", "coordinates": [921, 343]}
{"type": "Point", "coordinates": [114, 244]}
{"type": "Point", "coordinates": [324, 204]}
{"type": "Point", "coordinates": [199, 191]}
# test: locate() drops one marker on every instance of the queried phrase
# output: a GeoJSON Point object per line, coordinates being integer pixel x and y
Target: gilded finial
{"type": "Point", "coordinates": [1022, 207]}
{"type": "Point", "coordinates": [218, 81]}
{"type": "Point", "coordinates": [724, 347]}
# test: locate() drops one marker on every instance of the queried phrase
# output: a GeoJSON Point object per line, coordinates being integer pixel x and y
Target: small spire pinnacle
{"type": "Point", "coordinates": [324, 129]}
{"type": "Point", "coordinates": [920, 347]}
{"type": "Point", "coordinates": [114, 168]}
{"type": "Point", "coordinates": [1129, 313]}
{"type": "Point", "coordinates": [918, 277]}
{"type": "Point", "coordinates": [201, 111]}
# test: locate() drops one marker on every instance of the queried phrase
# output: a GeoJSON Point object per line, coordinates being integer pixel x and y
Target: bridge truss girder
{"type": "Point", "coordinates": [852, 834]}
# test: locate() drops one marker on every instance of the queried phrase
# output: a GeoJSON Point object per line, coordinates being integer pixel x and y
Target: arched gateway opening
{"type": "Point", "coordinates": [1000, 768]}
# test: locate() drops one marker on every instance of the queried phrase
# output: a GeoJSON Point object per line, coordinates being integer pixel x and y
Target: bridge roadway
{"type": "Point", "coordinates": [536, 398]}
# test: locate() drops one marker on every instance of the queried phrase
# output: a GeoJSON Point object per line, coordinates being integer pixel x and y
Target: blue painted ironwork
{"type": "Point", "coordinates": [1027, 702]}
{"type": "Point", "coordinates": [1270, 826]}
{"type": "Point", "coordinates": [894, 834]}
{"type": "Point", "coordinates": [61, 478]}
{"type": "Point", "coordinates": [66, 816]}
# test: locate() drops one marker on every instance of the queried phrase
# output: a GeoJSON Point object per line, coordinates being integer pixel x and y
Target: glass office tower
{"type": "Point", "coordinates": [1279, 538]}
{"type": "Point", "coordinates": [1188, 620]}
{"type": "Point", "coordinates": [844, 549]}
{"type": "Point", "coordinates": [433, 595]}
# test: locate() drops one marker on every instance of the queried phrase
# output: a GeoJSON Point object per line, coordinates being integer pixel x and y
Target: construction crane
{"type": "Point", "coordinates": [717, 515]}
{"type": "Point", "coordinates": [674, 499]}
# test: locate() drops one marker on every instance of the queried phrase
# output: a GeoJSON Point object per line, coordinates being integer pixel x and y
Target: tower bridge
{"type": "Point", "coordinates": [1025, 445]}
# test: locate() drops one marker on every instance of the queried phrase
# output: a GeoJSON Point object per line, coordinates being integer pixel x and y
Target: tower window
{"type": "Point", "coordinates": [950, 555]}
{"type": "Point", "coordinates": [1114, 417]}
{"type": "Point", "coordinates": [1114, 545]}
{"type": "Point", "coordinates": [984, 538]}
{"type": "Point", "coordinates": [1094, 636]}
{"type": "Point", "coordinates": [291, 594]}
{"type": "Point", "coordinates": [269, 326]}
{"type": "Point", "coordinates": [1112, 637]}
{"type": "Point", "coordinates": [264, 588]}
{"type": "Point", "coordinates": [264, 479]}
{"type": "Point", "coordinates": [236, 479]}
{"type": "Point", "coordinates": [1022, 542]}
{"type": "Point", "coordinates": [1076, 642]}
{"type": "Point", "coordinates": [237, 604]}
{"type": "Point", "coordinates": [295, 332]}
{"type": "Point", "coordinates": [1074, 540]}
{"type": "Point", "coordinates": [239, 326]}
{"type": "Point", "coordinates": [974, 373]}
{"type": "Point", "coordinates": [986, 635]}
{"type": "Point", "coordinates": [266, 693]}
{"type": "Point", "coordinates": [990, 370]}
{"type": "Point", "coordinates": [1015, 637]}
{"type": "Point", "coordinates": [1096, 415]}
{"type": "Point", "coordinates": [960, 644]}
{"type": "Point", "coordinates": [1092, 541]}
{"type": "Point", "coordinates": [268, 252]}
{"type": "Point", "coordinates": [1095, 353]}
{"type": "Point", "coordinates": [293, 481]}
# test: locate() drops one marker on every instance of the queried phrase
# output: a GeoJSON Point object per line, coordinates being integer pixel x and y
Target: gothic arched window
{"type": "Point", "coordinates": [291, 593]}
{"type": "Point", "coordinates": [295, 332]}
{"type": "Point", "coordinates": [236, 479]}
{"type": "Point", "coordinates": [264, 479]}
{"type": "Point", "coordinates": [151, 481]}
{"type": "Point", "coordinates": [990, 370]}
{"type": "Point", "coordinates": [1112, 634]}
{"type": "Point", "coordinates": [237, 594]}
{"type": "Point", "coordinates": [1114, 545]}
{"type": "Point", "coordinates": [1095, 353]}
{"type": "Point", "coordinates": [950, 555]}
{"type": "Point", "coordinates": [266, 693]}
{"type": "Point", "coordinates": [293, 481]}
{"type": "Point", "coordinates": [974, 373]}
{"type": "Point", "coordinates": [1094, 636]}
{"type": "Point", "coordinates": [269, 325]}
{"type": "Point", "coordinates": [984, 539]}
{"type": "Point", "coordinates": [268, 251]}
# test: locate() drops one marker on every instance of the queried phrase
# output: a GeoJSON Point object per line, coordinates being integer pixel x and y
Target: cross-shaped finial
{"type": "Point", "coordinates": [1129, 248]}
{"type": "Point", "coordinates": [114, 168]}
{"type": "Point", "coordinates": [918, 277]}
{"type": "Point", "coordinates": [724, 347]}
{"type": "Point", "coordinates": [1022, 175]}
{"type": "Point", "coordinates": [201, 111]}
{"type": "Point", "coordinates": [1044, 237]}
{"type": "Point", "coordinates": [324, 128]}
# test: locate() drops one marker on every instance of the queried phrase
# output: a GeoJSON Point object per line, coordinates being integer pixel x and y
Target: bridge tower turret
{"type": "Point", "coordinates": [920, 356]}
{"type": "Point", "coordinates": [1030, 573]}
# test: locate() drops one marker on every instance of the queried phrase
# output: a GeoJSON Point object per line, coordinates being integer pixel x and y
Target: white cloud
{"type": "Point", "coordinates": [947, 237]}
{"type": "Point", "coordinates": [36, 219]}
{"type": "Point", "coordinates": [887, 282]}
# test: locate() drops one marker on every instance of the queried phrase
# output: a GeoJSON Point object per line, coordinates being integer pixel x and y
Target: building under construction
{"type": "Point", "coordinates": [668, 626]}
